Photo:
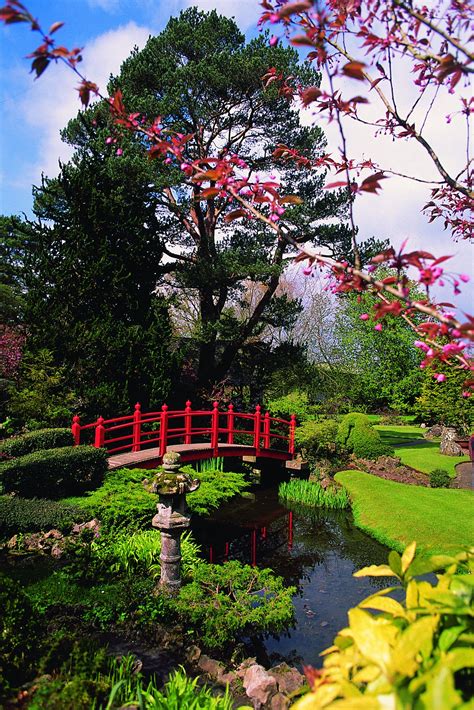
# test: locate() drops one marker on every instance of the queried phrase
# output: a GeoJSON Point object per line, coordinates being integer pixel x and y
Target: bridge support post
{"type": "Point", "coordinates": [172, 517]}
{"type": "Point", "coordinates": [187, 423]}
{"type": "Point", "coordinates": [163, 429]}
{"type": "Point", "coordinates": [215, 429]}
{"type": "Point", "coordinates": [257, 434]}
{"type": "Point", "coordinates": [230, 424]}
{"type": "Point", "coordinates": [76, 430]}
{"type": "Point", "coordinates": [266, 430]}
{"type": "Point", "coordinates": [99, 433]}
{"type": "Point", "coordinates": [291, 440]}
{"type": "Point", "coordinates": [137, 416]}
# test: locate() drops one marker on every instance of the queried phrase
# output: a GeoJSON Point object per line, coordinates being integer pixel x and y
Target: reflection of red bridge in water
{"type": "Point", "coordinates": [140, 439]}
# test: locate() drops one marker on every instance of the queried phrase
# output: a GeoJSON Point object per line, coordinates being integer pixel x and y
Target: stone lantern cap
{"type": "Point", "coordinates": [171, 481]}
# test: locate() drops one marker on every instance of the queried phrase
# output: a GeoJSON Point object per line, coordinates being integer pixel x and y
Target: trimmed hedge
{"type": "Point", "coordinates": [357, 436]}
{"type": "Point", "coordinates": [21, 515]}
{"type": "Point", "coordinates": [36, 441]}
{"type": "Point", "coordinates": [54, 472]}
{"type": "Point", "coordinates": [317, 438]}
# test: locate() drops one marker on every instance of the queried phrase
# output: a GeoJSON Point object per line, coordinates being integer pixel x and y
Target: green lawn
{"type": "Point", "coordinates": [399, 434]}
{"type": "Point", "coordinates": [423, 455]}
{"type": "Point", "coordinates": [439, 519]}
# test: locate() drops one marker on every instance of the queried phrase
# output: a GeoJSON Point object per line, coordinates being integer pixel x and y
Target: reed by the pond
{"type": "Point", "coordinates": [312, 494]}
{"type": "Point", "coordinates": [208, 465]}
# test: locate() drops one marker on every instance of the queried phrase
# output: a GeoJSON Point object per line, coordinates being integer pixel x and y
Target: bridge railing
{"type": "Point", "coordinates": [140, 430]}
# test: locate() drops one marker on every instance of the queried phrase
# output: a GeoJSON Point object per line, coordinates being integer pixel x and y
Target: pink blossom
{"type": "Point", "coordinates": [119, 152]}
{"type": "Point", "coordinates": [308, 270]}
{"type": "Point", "coordinates": [440, 377]}
{"type": "Point", "coordinates": [378, 327]}
{"type": "Point", "coordinates": [364, 316]}
{"type": "Point", "coordinates": [109, 140]}
{"type": "Point", "coordinates": [464, 278]}
{"type": "Point", "coordinates": [466, 394]}
{"type": "Point", "coordinates": [273, 41]}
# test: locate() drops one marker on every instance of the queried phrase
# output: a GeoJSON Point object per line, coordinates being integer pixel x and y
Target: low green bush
{"type": "Point", "coordinates": [365, 443]}
{"type": "Point", "coordinates": [36, 441]}
{"type": "Point", "coordinates": [312, 494]}
{"type": "Point", "coordinates": [20, 515]}
{"type": "Point", "coordinates": [216, 488]}
{"type": "Point", "coordinates": [54, 472]}
{"type": "Point", "coordinates": [224, 602]}
{"type": "Point", "coordinates": [318, 439]}
{"type": "Point", "coordinates": [19, 628]}
{"type": "Point", "coordinates": [439, 478]}
{"type": "Point", "coordinates": [347, 423]}
{"type": "Point", "coordinates": [296, 402]}
{"type": "Point", "coordinates": [356, 435]}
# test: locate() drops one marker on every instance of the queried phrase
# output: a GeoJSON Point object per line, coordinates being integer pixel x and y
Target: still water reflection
{"type": "Point", "coordinates": [317, 553]}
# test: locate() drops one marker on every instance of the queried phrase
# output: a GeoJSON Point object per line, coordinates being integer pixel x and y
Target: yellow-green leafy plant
{"type": "Point", "coordinates": [414, 653]}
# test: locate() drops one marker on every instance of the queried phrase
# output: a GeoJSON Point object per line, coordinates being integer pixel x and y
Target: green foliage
{"type": "Point", "coordinates": [216, 488]}
{"type": "Point", "coordinates": [124, 503]}
{"type": "Point", "coordinates": [42, 396]}
{"type": "Point", "coordinates": [395, 513]}
{"type": "Point", "coordinates": [19, 628]}
{"type": "Point", "coordinates": [317, 439]}
{"type": "Point", "coordinates": [209, 465]}
{"type": "Point", "coordinates": [442, 402]}
{"type": "Point", "coordinates": [226, 601]}
{"type": "Point", "coordinates": [179, 693]}
{"type": "Point", "coordinates": [36, 441]}
{"type": "Point", "coordinates": [410, 653]}
{"type": "Point", "coordinates": [121, 502]}
{"type": "Point", "coordinates": [425, 456]}
{"type": "Point", "coordinates": [295, 402]}
{"type": "Point", "coordinates": [139, 553]}
{"type": "Point", "coordinates": [20, 515]}
{"type": "Point", "coordinates": [357, 436]}
{"type": "Point", "coordinates": [312, 494]}
{"type": "Point", "coordinates": [439, 478]}
{"type": "Point", "coordinates": [57, 472]}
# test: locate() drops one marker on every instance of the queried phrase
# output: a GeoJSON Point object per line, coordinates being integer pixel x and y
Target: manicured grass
{"type": "Point", "coordinates": [425, 457]}
{"type": "Point", "coordinates": [395, 514]}
{"type": "Point", "coordinates": [399, 434]}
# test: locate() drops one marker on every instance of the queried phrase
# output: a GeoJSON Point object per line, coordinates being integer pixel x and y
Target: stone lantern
{"type": "Point", "coordinates": [172, 518]}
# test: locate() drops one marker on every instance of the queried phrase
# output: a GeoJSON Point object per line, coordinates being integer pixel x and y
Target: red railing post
{"type": "Point", "coordinates": [137, 426]}
{"type": "Point", "coordinates": [256, 431]}
{"type": "Point", "coordinates": [76, 430]}
{"type": "Point", "coordinates": [163, 429]}
{"type": "Point", "coordinates": [215, 429]}
{"type": "Point", "coordinates": [266, 430]}
{"type": "Point", "coordinates": [99, 433]}
{"type": "Point", "coordinates": [291, 439]}
{"type": "Point", "coordinates": [230, 424]}
{"type": "Point", "coordinates": [187, 423]}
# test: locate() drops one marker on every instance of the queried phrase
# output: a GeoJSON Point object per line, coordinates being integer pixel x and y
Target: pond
{"type": "Point", "coordinates": [316, 552]}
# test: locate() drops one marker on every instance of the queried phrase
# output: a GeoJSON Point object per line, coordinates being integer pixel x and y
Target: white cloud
{"type": "Point", "coordinates": [53, 100]}
{"type": "Point", "coordinates": [245, 12]}
{"type": "Point", "coordinates": [107, 5]}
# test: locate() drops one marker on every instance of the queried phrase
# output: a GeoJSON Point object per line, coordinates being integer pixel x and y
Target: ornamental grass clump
{"type": "Point", "coordinates": [313, 495]}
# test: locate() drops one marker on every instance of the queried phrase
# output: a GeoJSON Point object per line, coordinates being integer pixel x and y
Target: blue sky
{"type": "Point", "coordinates": [33, 112]}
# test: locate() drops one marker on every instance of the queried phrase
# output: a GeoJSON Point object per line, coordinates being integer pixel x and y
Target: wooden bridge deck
{"type": "Point", "coordinates": [149, 458]}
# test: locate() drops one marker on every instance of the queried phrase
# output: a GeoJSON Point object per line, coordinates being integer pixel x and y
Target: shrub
{"type": "Point", "coordinates": [411, 652]}
{"type": "Point", "coordinates": [216, 488]}
{"type": "Point", "coordinates": [20, 515]}
{"type": "Point", "coordinates": [227, 601]}
{"type": "Point", "coordinates": [295, 402]}
{"type": "Point", "coordinates": [365, 443]}
{"type": "Point", "coordinates": [348, 422]}
{"type": "Point", "coordinates": [36, 441]}
{"type": "Point", "coordinates": [57, 472]}
{"type": "Point", "coordinates": [318, 439]}
{"type": "Point", "coordinates": [357, 436]}
{"type": "Point", "coordinates": [313, 494]}
{"type": "Point", "coordinates": [439, 478]}
{"type": "Point", "coordinates": [18, 634]}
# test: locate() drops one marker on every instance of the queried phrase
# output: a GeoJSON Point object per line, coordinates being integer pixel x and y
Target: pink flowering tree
{"type": "Point", "coordinates": [368, 44]}
{"type": "Point", "coordinates": [11, 351]}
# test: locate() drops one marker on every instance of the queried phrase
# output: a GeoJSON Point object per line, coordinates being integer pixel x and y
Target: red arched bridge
{"type": "Point", "coordinates": [141, 439]}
